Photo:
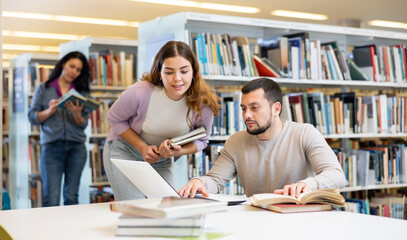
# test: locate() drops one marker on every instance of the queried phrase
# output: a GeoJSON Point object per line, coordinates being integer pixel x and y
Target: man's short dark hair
{"type": "Point", "coordinates": [272, 90]}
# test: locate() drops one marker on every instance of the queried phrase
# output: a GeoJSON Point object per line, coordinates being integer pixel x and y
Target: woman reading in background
{"type": "Point", "coordinates": [62, 135]}
{"type": "Point", "coordinates": [171, 100]}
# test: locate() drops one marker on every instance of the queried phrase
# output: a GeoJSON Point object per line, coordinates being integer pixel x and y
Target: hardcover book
{"type": "Point", "coordinates": [189, 137]}
{"type": "Point", "coordinates": [130, 225]}
{"type": "Point", "coordinates": [129, 220]}
{"type": "Point", "coordinates": [89, 105]}
{"type": "Point", "coordinates": [296, 208]}
{"type": "Point", "coordinates": [159, 231]}
{"type": "Point", "coordinates": [168, 207]}
{"type": "Point", "coordinates": [328, 196]}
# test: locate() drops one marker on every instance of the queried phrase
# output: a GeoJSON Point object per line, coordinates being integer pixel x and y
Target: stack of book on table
{"type": "Point", "coordinates": [312, 201]}
{"type": "Point", "coordinates": [169, 216]}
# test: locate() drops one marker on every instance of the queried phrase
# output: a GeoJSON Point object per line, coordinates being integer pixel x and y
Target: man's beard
{"type": "Point", "coordinates": [259, 130]}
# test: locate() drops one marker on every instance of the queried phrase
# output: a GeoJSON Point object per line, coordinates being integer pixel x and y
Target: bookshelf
{"type": "Point", "coordinates": [4, 166]}
{"type": "Point", "coordinates": [103, 54]}
{"type": "Point", "coordinates": [185, 26]}
{"type": "Point", "coordinates": [19, 92]}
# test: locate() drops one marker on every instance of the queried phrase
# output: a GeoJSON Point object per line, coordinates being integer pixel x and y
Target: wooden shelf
{"type": "Point", "coordinates": [100, 184]}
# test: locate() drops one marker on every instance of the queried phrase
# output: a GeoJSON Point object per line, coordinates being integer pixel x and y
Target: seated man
{"type": "Point", "coordinates": [272, 156]}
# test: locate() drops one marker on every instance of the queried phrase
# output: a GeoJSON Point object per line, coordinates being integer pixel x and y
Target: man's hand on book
{"type": "Point", "coordinates": [293, 190]}
{"type": "Point", "coordinates": [192, 187]}
{"type": "Point", "coordinates": [150, 154]}
{"type": "Point", "coordinates": [167, 152]}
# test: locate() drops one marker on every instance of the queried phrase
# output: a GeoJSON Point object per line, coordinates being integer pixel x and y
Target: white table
{"type": "Point", "coordinates": [96, 221]}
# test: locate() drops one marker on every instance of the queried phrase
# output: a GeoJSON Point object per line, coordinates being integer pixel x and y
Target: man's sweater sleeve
{"type": "Point", "coordinates": [221, 172]}
{"type": "Point", "coordinates": [329, 173]}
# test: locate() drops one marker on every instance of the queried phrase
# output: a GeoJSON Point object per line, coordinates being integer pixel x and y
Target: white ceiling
{"type": "Point", "coordinates": [364, 10]}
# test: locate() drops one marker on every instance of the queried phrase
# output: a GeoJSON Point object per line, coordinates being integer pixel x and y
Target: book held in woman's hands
{"type": "Point", "coordinates": [72, 95]}
{"type": "Point", "coordinates": [189, 137]}
{"type": "Point", "coordinates": [316, 200]}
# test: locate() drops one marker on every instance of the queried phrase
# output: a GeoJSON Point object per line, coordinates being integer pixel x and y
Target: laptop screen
{"type": "Point", "coordinates": [145, 178]}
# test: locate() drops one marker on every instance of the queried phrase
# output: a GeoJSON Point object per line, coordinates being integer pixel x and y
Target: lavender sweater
{"type": "Point", "coordinates": [130, 109]}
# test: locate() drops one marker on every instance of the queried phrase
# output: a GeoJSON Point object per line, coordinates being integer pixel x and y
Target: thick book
{"type": "Point", "coordinates": [168, 207]}
{"type": "Point", "coordinates": [328, 196]}
{"type": "Point", "coordinates": [296, 208]}
{"type": "Point", "coordinates": [89, 105]}
{"type": "Point", "coordinates": [159, 231]}
{"type": "Point", "coordinates": [128, 220]}
{"type": "Point", "coordinates": [188, 137]}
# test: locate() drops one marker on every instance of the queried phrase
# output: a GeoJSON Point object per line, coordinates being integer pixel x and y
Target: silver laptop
{"type": "Point", "coordinates": [145, 178]}
{"type": "Point", "coordinates": [152, 185]}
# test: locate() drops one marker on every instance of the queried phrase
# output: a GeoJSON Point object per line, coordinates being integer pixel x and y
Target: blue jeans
{"type": "Point", "coordinates": [123, 188]}
{"type": "Point", "coordinates": [62, 158]}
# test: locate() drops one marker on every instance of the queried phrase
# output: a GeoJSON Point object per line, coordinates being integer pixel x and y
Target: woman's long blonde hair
{"type": "Point", "coordinates": [199, 93]}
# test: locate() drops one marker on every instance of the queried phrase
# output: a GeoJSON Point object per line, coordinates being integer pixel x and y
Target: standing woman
{"type": "Point", "coordinates": [171, 100]}
{"type": "Point", "coordinates": [62, 129]}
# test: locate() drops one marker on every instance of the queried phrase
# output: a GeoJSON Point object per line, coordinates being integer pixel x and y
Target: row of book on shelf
{"type": "Point", "coordinates": [385, 204]}
{"type": "Point", "coordinates": [96, 162]}
{"type": "Point", "coordinates": [296, 56]}
{"type": "Point", "coordinates": [109, 68]}
{"type": "Point", "coordinates": [38, 74]}
{"type": "Point", "coordinates": [346, 113]}
{"type": "Point", "coordinates": [5, 159]}
{"type": "Point", "coordinates": [98, 117]}
{"type": "Point", "coordinates": [338, 113]}
{"type": "Point", "coordinates": [375, 165]}
{"type": "Point", "coordinates": [35, 180]}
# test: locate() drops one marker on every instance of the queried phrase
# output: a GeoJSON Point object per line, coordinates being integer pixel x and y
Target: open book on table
{"type": "Point", "coordinates": [316, 200]}
{"type": "Point", "coordinates": [72, 95]}
{"type": "Point", "coordinates": [188, 137]}
{"type": "Point", "coordinates": [327, 196]}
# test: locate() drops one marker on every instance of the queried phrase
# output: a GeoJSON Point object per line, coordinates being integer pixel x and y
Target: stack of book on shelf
{"type": "Point", "coordinates": [312, 201]}
{"type": "Point", "coordinates": [168, 216]}
{"type": "Point", "coordinates": [347, 113]}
